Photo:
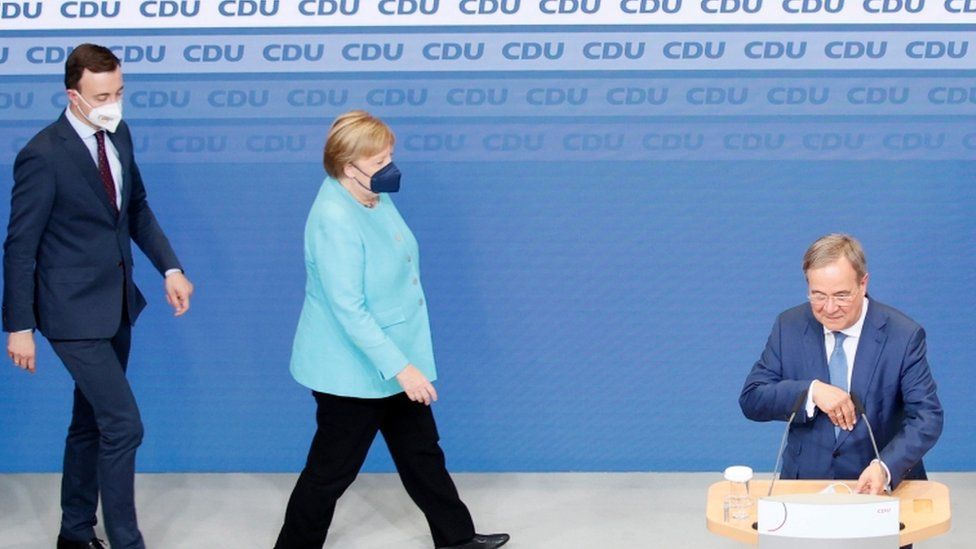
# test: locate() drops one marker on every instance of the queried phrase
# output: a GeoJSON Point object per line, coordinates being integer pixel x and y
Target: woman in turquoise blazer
{"type": "Point", "coordinates": [363, 345]}
{"type": "Point", "coordinates": [365, 317]}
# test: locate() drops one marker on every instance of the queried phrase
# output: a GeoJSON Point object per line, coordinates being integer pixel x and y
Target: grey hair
{"type": "Point", "coordinates": [830, 248]}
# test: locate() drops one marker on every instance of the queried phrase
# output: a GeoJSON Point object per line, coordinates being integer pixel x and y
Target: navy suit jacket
{"type": "Point", "coordinates": [891, 377]}
{"type": "Point", "coordinates": [67, 256]}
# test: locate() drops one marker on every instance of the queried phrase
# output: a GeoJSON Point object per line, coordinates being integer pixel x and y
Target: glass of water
{"type": "Point", "coordinates": [738, 501]}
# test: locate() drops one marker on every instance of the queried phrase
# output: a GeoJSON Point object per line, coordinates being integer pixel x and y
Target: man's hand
{"type": "Point", "coordinates": [178, 292]}
{"type": "Point", "coordinates": [872, 480]}
{"type": "Point", "coordinates": [836, 403]}
{"type": "Point", "coordinates": [21, 349]}
{"type": "Point", "coordinates": [416, 386]}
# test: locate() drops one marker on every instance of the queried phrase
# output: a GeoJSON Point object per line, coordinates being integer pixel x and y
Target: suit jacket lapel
{"type": "Point", "coordinates": [81, 157]}
{"type": "Point", "coordinates": [873, 336]}
{"type": "Point", "coordinates": [813, 350]}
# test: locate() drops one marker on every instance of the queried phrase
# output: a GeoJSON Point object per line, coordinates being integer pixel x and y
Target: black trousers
{"type": "Point", "coordinates": [346, 429]}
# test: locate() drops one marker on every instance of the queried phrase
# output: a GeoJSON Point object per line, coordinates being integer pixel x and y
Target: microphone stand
{"type": "Point", "coordinates": [859, 410]}
{"type": "Point", "coordinates": [800, 401]}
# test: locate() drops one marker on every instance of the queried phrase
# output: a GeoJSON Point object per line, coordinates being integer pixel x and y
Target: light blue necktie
{"type": "Point", "coordinates": [838, 367]}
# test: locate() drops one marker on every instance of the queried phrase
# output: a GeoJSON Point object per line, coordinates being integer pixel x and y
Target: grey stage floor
{"type": "Point", "coordinates": [541, 511]}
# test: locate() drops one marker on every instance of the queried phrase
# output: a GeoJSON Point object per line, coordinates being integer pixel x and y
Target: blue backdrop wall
{"type": "Point", "coordinates": [607, 231]}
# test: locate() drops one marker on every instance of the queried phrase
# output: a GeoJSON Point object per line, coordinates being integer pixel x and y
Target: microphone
{"type": "Point", "coordinates": [859, 410]}
{"type": "Point", "coordinates": [801, 399]}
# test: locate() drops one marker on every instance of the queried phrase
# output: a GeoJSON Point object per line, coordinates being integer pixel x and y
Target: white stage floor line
{"type": "Point", "coordinates": [540, 510]}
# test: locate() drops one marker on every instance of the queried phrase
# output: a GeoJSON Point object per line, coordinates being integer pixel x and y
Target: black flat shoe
{"type": "Point", "coordinates": [482, 541]}
{"type": "Point", "coordinates": [94, 543]}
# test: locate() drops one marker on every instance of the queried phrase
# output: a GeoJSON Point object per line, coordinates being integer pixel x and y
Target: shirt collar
{"type": "Point", "coordinates": [84, 130]}
{"type": "Point", "coordinates": [855, 329]}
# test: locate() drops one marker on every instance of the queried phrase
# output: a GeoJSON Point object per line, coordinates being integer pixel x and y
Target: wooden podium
{"type": "Point", "coordinates": [924, 507]}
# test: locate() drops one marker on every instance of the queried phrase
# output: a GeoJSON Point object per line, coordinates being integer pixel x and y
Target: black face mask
{"type": "Point", "coordinates": [387, 180]}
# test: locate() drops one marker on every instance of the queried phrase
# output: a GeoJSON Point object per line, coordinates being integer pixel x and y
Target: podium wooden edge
{"type": "Point", "coordinates": [919, 499]}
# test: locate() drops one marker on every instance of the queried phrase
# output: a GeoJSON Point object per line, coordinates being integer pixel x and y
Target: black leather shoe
{"type": "Point", "coordinates": [482, 541]}
{"type": "Point", "coordinates": [95, 543]}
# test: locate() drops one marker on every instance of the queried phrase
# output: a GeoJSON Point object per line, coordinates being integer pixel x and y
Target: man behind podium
{"type": "Point", "coordinates": [77, 203]}
{"type": "Point", "coordinates": [844, 342]}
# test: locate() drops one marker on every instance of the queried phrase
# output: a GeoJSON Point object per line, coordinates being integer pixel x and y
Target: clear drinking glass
{"type": "Point", "coordinates": [738, 501]}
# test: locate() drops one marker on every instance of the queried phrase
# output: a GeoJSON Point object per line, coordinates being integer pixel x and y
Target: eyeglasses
{"type": "Point", "coordinates": [841, 300]}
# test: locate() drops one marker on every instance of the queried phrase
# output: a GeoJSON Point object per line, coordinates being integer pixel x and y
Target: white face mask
{"type": "Point", "coordinates": [106, 116]}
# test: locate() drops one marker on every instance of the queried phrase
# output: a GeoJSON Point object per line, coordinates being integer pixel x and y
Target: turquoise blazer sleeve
{"type": "Point", "coordinates": [364, 317]}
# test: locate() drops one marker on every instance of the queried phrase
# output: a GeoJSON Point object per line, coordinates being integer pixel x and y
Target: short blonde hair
{"type": "Point", "coordinates": [829, 248]}
{"type": "Point", "coordinates": [354, 135]}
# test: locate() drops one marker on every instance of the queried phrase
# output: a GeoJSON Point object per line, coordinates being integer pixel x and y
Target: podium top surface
{"type": "Point", "coordinates": [833, 499]}
{"type": "Point", "coordinates": [924, 507]}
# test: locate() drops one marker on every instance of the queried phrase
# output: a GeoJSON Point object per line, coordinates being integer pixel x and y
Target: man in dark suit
{"type": "Point", "coordinates": [78, 201]}
{"type": "Point", "coordinates": [845, 343]}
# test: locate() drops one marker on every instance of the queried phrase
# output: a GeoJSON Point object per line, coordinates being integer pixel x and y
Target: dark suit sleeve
{"type": "Point", "coordinates": [767, 393]}
{"type": "Point", "coordinates": [31, 202]}
{"type": "Point", "coordinates": [923, 416]}
{"type": "Point", "coordinates": [144, 228]}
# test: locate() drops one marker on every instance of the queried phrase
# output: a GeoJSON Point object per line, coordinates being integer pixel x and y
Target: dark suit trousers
{"type": "Point", "coordinates": [346, 429]}
{"type": "Point", "coordinates": [100, 450]}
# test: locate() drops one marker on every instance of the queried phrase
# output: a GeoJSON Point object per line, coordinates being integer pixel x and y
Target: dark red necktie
{"type": "Point", "coordinates": [105, 171]}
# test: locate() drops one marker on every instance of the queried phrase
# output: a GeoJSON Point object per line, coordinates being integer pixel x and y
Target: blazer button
{"type": "Point", "coordinates": [836, 453]}
{"type": "Point", "coordinates": [421, 302]}
{"type": "Point", "coordinates": [409, 259]}
{"type": "Point", "coordinates": [120, 264]}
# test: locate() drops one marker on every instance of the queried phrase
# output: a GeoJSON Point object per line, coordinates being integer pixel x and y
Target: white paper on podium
{"type": "Point", "coordinates": [840, 517]}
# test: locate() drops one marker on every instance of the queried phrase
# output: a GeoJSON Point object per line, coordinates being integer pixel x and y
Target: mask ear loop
{"type": "Point", "coordinates": [79, 96]}
{"type": "Point", "coordinates": [82, 97]}
{"type": "Point", "coordinates": [357, 180]}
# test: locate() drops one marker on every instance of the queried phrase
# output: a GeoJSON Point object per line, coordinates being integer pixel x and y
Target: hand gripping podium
{"type": "Point", "coordinates": [799, 516]}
